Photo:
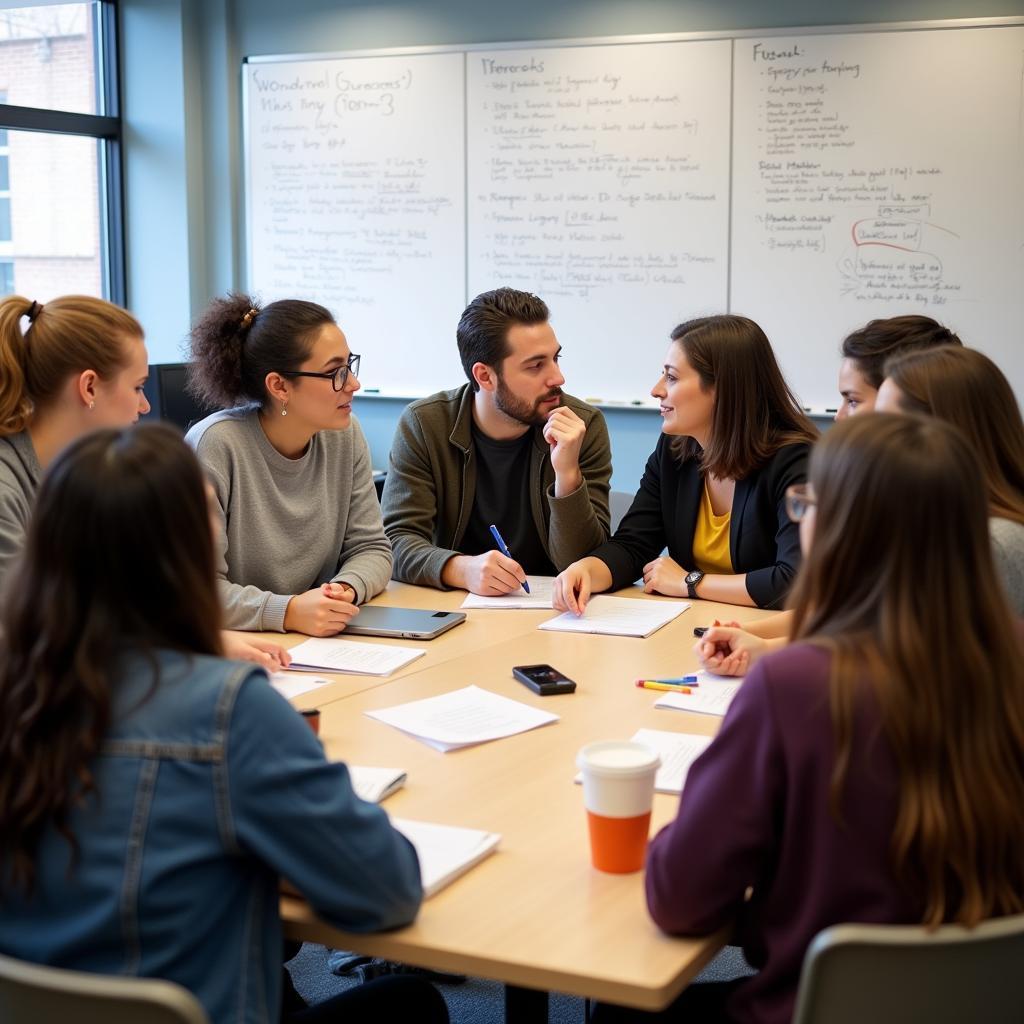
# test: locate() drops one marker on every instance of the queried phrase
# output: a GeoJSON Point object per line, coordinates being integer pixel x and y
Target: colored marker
{"type": "Point", "coordinates": [681, 681]}
{"type": "Point", "coordinates": [649, 685]}
{"type": "Point", "coordinates": [503, 548]}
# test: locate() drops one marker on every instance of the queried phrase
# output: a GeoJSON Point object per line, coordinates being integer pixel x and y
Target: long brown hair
{"type": "Point", "coordinates": [65, 336]}
{"type": "Point", "coordinates": [119, 555]}
{"type": "Point", "coordinates": [964, 387]}
{"type": "Point", "coordinates": [878, 340]}
{"type": "Point", "coordinates": [755, 413]}
{"type": "Point", "coordinates": [900, 585]}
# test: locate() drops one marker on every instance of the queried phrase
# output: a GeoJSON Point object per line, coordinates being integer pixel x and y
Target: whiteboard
{"type": "Point", "coordinates": [354, 193]}
{"type": "Point", "coordinates": [810, 180]}
{"type": "Point", "coordinates": [598, 178]}
{"type": "Point", "coordinates": [874, 175]}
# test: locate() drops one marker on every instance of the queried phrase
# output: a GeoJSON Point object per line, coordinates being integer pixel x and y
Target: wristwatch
{"type": "Point", "coordinates": [691, 581]}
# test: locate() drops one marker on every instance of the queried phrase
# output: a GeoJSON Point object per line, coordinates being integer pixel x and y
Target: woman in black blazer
{"type": "Point", "coordinates": [733, 440]}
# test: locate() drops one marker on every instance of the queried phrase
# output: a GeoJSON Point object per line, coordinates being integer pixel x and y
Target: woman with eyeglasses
{"type": "Point", "coordinates": [302, 544]}
{"type": "Point", "coordinates": [733, 439]}
{"type": "Point", "coordinates": [873, 771]}
{"type": "Point", "coordinates": [965, 388]}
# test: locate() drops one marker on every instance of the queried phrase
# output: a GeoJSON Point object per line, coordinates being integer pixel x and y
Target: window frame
{"type": "Point", "coordinates": [106, 130]}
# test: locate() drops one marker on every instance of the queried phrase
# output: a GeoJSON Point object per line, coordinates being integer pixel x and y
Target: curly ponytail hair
{"type": "Point", "coordinates": [236, 343]}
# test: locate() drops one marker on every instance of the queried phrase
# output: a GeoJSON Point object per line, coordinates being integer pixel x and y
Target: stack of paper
{"type": "Point", "coordinates": [618, 616]}
{"type": "Point", "coordinates": [712, 697]}
{"type": "Point", "coordinates": [538, 597]}
{"type": "Point", "coordinates": [375, 784]}
{"type": "Point", "coordinates": [293, 684]}
{"type": "Point", "coordinates": [463, 718]}
{"type": "Point", "coordinates": [445, 852]}
{"type": "Point", "coordinates": [329, 654]}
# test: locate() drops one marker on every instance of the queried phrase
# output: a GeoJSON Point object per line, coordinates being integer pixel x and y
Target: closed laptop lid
{"type": "Point", "coordinates": [411, 623]}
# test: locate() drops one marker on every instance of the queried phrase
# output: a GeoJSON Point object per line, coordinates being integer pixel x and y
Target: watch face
{"type": "Point", "coordinates": [693, 578]}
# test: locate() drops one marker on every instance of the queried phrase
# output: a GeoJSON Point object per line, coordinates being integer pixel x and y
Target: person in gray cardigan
{"type": "Point", "coordinates": [510, 449]}
{"type": "Point", "coordinates": [302, 544]}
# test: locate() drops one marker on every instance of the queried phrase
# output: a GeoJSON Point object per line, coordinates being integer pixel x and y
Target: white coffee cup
{"type": "Point", "coordinates": [618, 790]}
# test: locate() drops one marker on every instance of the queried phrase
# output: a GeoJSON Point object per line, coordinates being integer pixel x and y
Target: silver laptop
{"type": "Point", "coordinates": [406, 623]}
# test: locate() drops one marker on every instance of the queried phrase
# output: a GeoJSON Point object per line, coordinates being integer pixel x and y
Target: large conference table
{"type": "Point", "coordinates": [535, 915]}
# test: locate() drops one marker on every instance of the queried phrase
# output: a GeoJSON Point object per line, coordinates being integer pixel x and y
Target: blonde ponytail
{"type": "Point", "coordinates": [67, 336]}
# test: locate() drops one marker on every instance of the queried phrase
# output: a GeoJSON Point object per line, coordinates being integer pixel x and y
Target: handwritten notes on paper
{"type": "Point", "coordinates": [712, 697]}
{"type": "Point", "coordinates": [618, 616]}
{"type": "Point", "coordinates": [329, 654]}
{"type": "Point", "coordinates": [463, 718]}
{"type": "Point", "coordinates": [538, 597]}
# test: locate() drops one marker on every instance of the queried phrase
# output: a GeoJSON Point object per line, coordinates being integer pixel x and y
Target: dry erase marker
{"type": "Point", "coordinates": [645, 684]}
{"type": "Point", "coordinates": [503, 548]}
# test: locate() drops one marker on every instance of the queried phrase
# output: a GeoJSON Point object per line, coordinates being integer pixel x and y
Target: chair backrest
{"type": "Point", "coordinates": [618, 505]}
{"type": "Point", "coordinates": [896, 974]}
{"type": "Point", "coordinates": [33, 994]}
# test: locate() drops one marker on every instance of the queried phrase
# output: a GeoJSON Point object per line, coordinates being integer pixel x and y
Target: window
{"type": "Point", "coordinates": [60, 160]}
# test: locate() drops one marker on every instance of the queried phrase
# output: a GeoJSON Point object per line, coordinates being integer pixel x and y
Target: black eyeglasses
{"type": "Point", "coordinates": [337, 377]}
{"type": "Point", "coordinates": [798, 501]}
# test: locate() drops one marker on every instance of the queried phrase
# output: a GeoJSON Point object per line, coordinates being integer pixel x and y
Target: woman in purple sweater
{"type": "Point", "coordinates": [847, 783]}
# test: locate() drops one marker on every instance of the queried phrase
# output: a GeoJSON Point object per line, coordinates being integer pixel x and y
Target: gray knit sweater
{"type": "Point", "coordinates": [1008, 552]}
{"type": "Point", "coordinates": [290, 524]}
{"type": "Point", "coordinates": [19, 481]}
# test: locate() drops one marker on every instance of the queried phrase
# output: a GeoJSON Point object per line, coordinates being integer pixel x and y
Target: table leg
{"type": "Point", "coordinates": [525, 1005]}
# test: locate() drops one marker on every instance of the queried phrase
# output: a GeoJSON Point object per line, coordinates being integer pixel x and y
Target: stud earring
{"type": "Point", "coordinates": [92, 405]}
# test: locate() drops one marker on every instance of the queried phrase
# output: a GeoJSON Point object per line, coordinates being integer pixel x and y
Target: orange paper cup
{"type": "Point", "coordinates": [618, 789]}
{"type": "Point", "coordinates": [312, 719]}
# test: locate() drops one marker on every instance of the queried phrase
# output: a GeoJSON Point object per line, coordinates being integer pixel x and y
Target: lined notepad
{"type": "Point", "coordinates": [329, 654]}
{"type": "Point", "coordinates": [445, 851]}
{"type": "Point", "coordinates": [538, 597]}
{"type": "Point", "coordinates": [375, 784]}
{"type": "Point", "coordinates": [618, 616]}
{"type": "Point", "coordinates": [463, 718]}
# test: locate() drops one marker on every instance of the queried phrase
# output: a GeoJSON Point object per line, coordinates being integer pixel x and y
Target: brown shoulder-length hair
{"type": "Point", "coordinates": [118, 555]}
{"type": "Point", "coordinates": [964, 387]}
{"type": "Point", "coordinates": [755, 413]}
{"type": "Point", "coordinates": [900, 585]}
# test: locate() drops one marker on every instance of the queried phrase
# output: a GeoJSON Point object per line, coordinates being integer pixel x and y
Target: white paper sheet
{"type": "Point", "coordinates": [375, 784]}
{"type": "Point", "coordinates": [618, 616]}
{"type": "Point", "coordinates": [293, 684]}
{"type": "Point", "coordinates": [538, 597]}
{"type": "Point", "coordinates": [677, 750]}
{"type": "Point", "coordinates": [462, 718]}
{"type": "Point", "coordinates": [713, 696]}
{"type": "Point", "coordinates": [445, 851]}
{"type": "Point", "coordinates": [329, 654]}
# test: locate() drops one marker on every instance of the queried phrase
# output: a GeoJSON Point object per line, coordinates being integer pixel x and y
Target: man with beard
{"type": "Point", "coordinates": [510, 449]}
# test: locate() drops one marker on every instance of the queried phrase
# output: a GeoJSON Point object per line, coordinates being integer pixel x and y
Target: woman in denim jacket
{"type": "Point", "coordinates": [152, 794]}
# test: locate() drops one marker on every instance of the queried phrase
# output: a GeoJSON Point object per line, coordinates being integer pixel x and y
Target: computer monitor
{"type": "Point", "coordinates": [171, 401]}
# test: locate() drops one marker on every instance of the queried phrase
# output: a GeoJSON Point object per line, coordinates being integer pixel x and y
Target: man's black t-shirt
{"type": "Point", "coordinates": [503, 498]}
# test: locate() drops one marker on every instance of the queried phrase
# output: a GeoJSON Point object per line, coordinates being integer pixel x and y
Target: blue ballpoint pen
{"type": "Point", "coordinates": [503, 548]}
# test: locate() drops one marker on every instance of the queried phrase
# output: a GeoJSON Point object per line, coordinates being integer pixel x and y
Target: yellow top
{"type": "Point", "coordinates": [711, 539]}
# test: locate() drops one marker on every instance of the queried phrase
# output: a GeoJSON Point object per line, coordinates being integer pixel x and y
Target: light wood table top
{"type": "Point", "coordinates": [480, 630]}
{"type": "Point", "coordinates": [535, 914]}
